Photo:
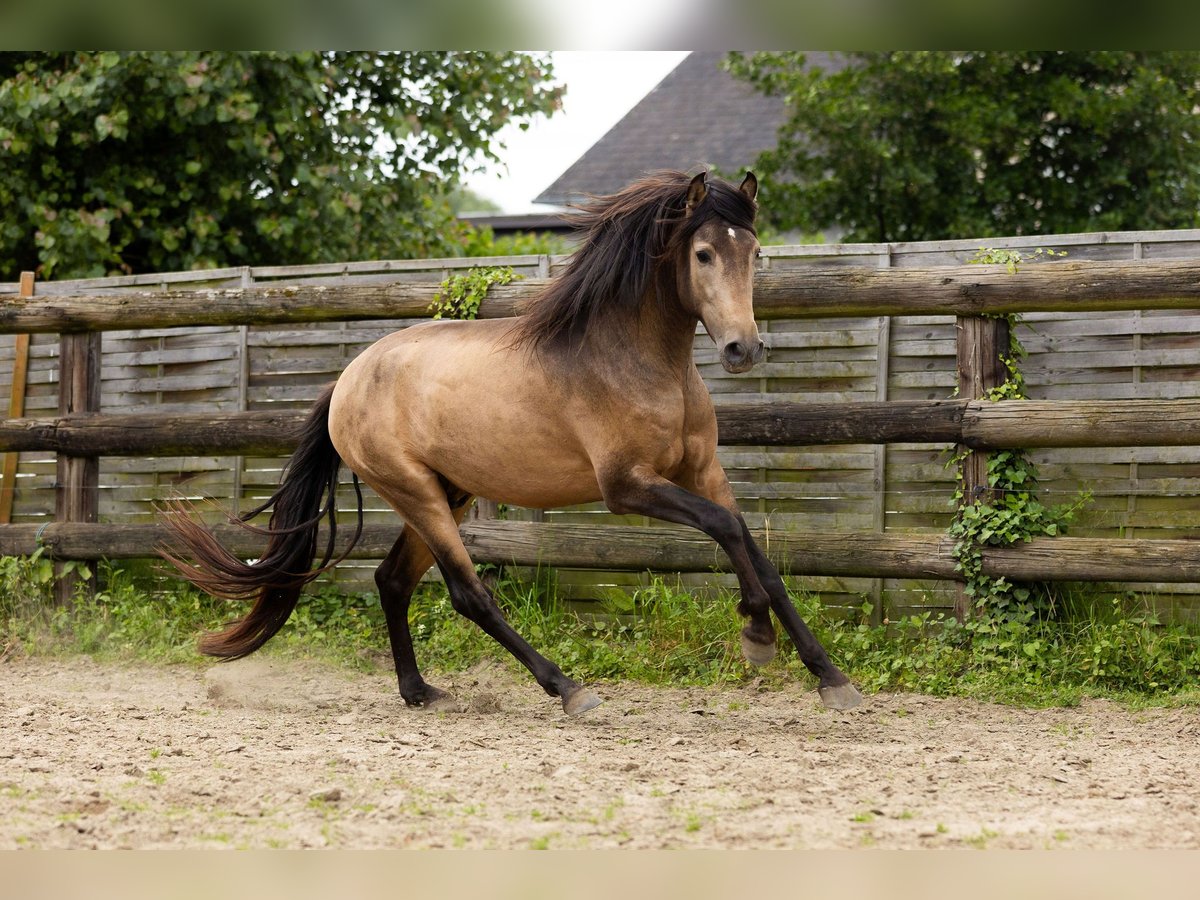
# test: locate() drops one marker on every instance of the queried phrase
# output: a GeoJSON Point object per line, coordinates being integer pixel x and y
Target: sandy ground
{"type": "Point", "coordinates": [267, 753]}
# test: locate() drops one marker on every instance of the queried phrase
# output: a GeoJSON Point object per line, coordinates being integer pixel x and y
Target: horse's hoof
{"type": "Point", "coordinates": [757, 654]}
{"type": "Point", "coordinates": [434, 700]}
{"type": "Point", "coordinates": [580, 701]}
{"type": "Point", "coordinates": [840, 696]}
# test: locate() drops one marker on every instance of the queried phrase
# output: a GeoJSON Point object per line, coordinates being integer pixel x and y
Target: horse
{"type": "Point", "coordinates": [591, 393]}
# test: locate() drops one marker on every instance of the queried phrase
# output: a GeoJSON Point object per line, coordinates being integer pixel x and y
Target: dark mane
{"type": "Point", "coordinates": [626, 239]}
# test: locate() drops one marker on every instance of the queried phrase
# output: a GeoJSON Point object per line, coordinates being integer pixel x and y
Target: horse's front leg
{"type": "Point", "coordinates": [643, 491]}
{"type": "Point", "coordinates": [835, 689]}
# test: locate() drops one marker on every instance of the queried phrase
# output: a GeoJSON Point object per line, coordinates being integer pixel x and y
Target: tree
{"type": "Point", "coordinates": [151, 161]}
{"type": "Point", "coordinates": [913, 145]}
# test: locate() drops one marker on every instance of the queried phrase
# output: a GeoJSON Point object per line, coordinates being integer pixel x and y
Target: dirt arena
{"type": "Point", "coordinates": [271, 753]}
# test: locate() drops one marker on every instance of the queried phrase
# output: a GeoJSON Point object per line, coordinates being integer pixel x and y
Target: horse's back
{"type": "Point", "coordinates": [458, 398]}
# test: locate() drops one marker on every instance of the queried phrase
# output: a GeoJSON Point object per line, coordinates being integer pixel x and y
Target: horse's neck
{"type": "Point", "coordinates": [664, 334]}
{"type": "Point", "coordinates": [656, 344]}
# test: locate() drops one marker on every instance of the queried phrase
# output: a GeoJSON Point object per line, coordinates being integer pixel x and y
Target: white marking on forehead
{"type": "Point", "coordinates": [731, 234]}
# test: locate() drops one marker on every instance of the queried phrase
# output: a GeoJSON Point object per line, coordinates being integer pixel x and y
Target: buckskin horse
{"type": "Point", "coordinates": [590, 394]}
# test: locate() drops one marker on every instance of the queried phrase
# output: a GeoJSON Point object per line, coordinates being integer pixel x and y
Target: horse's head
{"type": "Point", "coordinates": [717, 278]}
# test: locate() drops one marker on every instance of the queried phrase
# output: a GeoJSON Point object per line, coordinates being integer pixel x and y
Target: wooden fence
{"type": "Point", "coordinates": [836, 445]}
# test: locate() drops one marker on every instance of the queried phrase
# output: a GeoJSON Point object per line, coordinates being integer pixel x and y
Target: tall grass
{"type": "Point", "coordinates": [1101, 645]}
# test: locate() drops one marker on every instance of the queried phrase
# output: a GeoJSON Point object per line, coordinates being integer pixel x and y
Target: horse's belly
{"type": "Point", "coordinates": [520, 464]}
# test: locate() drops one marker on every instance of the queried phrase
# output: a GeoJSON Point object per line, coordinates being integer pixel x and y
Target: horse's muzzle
{"type": "Point", "coordinates": [741, 356]}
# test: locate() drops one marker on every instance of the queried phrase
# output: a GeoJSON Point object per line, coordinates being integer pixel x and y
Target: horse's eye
{"type": "Point", "coordinates": [704, 257]}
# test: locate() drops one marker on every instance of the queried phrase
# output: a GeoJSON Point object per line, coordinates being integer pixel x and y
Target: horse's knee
{"type": "Point", "coordinates": [393, 587]}
{"type": "Point", "coordinates": [472, 602]}
{"type": "Point", "coordinates": [385, 582]}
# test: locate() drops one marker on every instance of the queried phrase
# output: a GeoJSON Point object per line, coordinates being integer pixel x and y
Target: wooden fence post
{"type": "Point", "coordinates": [16, 408]}
{"type": "Point", "coordinates": [981, 343]}
{"type": "Point", "coordinates": [77, 488]}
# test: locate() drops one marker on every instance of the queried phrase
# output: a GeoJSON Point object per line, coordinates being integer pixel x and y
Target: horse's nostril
{"type": "Point", "coordinates": [735, 351]}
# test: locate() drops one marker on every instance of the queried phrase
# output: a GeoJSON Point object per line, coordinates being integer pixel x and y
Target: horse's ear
{"type": "Point", "coordinates": [697, 191]}
{"type": "Point", "coordinates": [749, 186]}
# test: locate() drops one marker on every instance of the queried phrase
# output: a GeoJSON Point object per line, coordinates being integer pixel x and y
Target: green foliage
{"type": "Point", "coordinates": [663, 634]}
{"type": "Point", "coordinates": [1011, 513]}
{"type": "Point", "coordinates": [1011, 259]}
{"type": "Point", "coordinates": [478, 241]}
{"type": "Point", "coordinates": [118, 162]}
{"type": "Point", "coordinates": [124, 618]}
{"type": "Point", "coordinates": [460, 295]}
{"type": "Point", "coordinates": [925, 145]}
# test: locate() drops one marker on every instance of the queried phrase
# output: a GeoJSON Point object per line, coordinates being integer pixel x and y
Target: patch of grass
{"type": "Point", "coordinates": [980, 841]}
{"type": "Point", "coordinates": [1098, 646]}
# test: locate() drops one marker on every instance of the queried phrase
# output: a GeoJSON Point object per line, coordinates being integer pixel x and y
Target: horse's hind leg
{"type": "Point", "coordinates": [396, 578]}
{"type": "Point", "coordinates": [438, 529]}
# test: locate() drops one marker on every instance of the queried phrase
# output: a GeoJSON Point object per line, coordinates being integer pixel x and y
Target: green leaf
{"type": "Point", "coordinates": [266, 144]}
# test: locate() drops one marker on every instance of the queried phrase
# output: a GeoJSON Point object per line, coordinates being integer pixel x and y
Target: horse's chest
{"type": "Point", "coordinates": [671, 446]}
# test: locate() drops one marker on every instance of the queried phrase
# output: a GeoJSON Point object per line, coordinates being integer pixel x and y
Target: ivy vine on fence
{"type": "Point", "coordinates": [1011, 511]}
{"type": "Point", "coordinates": [461, 295]}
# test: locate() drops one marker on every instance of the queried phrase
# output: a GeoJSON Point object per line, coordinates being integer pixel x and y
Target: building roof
{"type": "Point", "coordinates": [519, 223]}
{"type": "Point", "coordinates": [697, 116]}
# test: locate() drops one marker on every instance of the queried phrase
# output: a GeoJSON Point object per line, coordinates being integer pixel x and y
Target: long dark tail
{"type": "Point", "coordinates": [306, 495]}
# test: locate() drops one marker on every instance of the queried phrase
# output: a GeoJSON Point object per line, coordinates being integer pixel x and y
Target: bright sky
{"type": "Point", "coordinates": [602, 86]}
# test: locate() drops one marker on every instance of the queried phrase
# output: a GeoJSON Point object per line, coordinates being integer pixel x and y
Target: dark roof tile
{"type": "Point", "coordinates": [698, 115]}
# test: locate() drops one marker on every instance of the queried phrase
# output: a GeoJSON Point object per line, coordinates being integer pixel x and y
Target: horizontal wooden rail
{"type": "Point", "coordinates": [975, 423]}
{"type": "Point", "coordinates": [980, 424]}
{"type": "Point", "coordinates": [679, 550]}
{"type": "Point", "coordinates": [806, 292]}
{"type": "Point", "coordinates": [150, 434]}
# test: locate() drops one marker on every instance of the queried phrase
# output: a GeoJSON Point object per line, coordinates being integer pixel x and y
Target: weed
{"type": "Point", "coordinates": [980, 841]}
{"type": "Point", "coordinates": [1098, 645]}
